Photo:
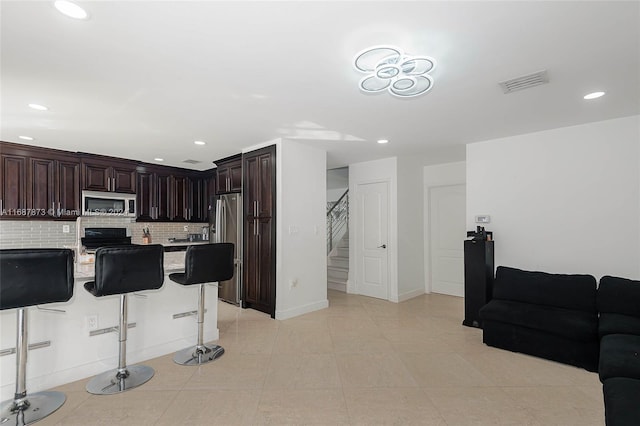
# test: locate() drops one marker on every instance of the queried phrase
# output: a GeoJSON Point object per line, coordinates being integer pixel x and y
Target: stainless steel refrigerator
{"type": "Point", "coordinates": [228, 224]}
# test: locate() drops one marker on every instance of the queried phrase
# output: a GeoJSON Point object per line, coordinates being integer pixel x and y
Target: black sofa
{"type": "Point", "coordinates": [619, 369]}
{"type": "Point", "coordinates": [551, 316]}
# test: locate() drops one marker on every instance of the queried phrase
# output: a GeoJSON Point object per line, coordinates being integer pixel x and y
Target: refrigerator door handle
{"type": "Point", "coordinates": [218, 238]}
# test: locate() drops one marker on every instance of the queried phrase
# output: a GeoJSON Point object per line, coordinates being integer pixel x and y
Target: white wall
{"type": "Point", "coordinates": [301, 259]}
{"type": "Point", "coordinates": [565, 200]}
{"type": "Point", "coordinates": [410, 228]}
{"type": "Point", "coordinates": [433, 176]}
{"type": "Point", "coordinates": [368, 172]}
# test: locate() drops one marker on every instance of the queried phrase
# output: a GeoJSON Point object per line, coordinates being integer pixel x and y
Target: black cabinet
{"type": "Point", "coordinates": [108, 174]}
{"type": "Point", "coordinates": [229, 175]}
{"type": "Point", "coordinates": [38, 183]}
{"type": "Point", "coordinates": [259, 260]}
{"type": "Point", "coordinates": [478, 279]}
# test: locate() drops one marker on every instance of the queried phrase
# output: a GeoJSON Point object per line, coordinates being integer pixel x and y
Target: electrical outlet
{"type": "Point", "coordinates": [65, 229]}
{"type": "Point", "coordinates": [91, 322]}
{"type": "Point", "coordinates": [186, 228]}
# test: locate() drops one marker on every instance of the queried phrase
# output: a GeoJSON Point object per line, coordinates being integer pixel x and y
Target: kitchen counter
{"type": "Point", "coordinates": [173, 262]}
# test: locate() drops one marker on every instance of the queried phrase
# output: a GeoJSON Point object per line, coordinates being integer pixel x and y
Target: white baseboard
{"type": "Point", "coordinates": [301, 310]}
{"type": "Point", "coordinates": [410, 294]}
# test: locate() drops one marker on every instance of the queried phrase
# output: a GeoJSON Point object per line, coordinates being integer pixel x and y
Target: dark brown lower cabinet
{"type": "Point", "coordinates": [259, 260]}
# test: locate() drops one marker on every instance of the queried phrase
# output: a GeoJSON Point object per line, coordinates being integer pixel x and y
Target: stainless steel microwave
{"type": "Point", "coordinates": [95, 203]}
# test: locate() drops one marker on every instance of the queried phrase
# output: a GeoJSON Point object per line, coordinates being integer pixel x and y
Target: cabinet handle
{"type": "Point", "coordinates": [53, 209]}
{"type": "Point", "coordinates": [255, 208]}
{"type": "Point", "coordinates": [255, 227]}
{"type": "Point", "coordinates": [59, 212]}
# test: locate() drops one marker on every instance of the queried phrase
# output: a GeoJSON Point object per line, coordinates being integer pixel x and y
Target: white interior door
{"type": "Point", "coordinates": [447, 233]}
{"type": "Point", "coordinates": [372, 278]}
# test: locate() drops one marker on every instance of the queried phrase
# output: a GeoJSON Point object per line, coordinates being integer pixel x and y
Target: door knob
{"type": "Point", "coordinates": [383, 246]}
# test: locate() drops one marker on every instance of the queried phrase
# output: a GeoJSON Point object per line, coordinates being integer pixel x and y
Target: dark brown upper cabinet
{"type": "Point", "coordinates": [229, 175]}
{"type": "Point", "coordinates": [108, 174]}
{"type": "Point", "coordinates": [153, 194]}
{"type": "Point", "coordinates": [172, 194]}
{"type": "Point", "coordinates": [39, 183]}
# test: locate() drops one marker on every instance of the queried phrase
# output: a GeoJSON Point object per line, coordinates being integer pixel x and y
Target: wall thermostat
{"type": "Point", "coordinates": [483, 219]}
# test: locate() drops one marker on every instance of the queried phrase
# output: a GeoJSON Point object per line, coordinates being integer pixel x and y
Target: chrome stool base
{"type": "Point", "coordinates": [36, 407]}
{"type": "Point", "coordinates": [112, 382]}
{"type": "Point", "coordinates": [197, 355]}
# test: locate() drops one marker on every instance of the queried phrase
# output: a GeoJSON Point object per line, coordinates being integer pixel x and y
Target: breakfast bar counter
{"type": "Point", "coordinates": [75, 341]}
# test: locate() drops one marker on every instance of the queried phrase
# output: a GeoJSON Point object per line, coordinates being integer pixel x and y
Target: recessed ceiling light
{"type": "Point", "coordinates": [70, 9]}
{"type": "Point", "coordinates": [38, 107]}
{"type": "Point", "coordinates": [26, 138]}
{"type": "Point", "coordinates": [199, 142]}
{"type": "Point", "coordinates": [383, 141]}
{"type": "Point", "coordinates": [594, 95]}
{"type": "Point", "coordinates": [159, 159]}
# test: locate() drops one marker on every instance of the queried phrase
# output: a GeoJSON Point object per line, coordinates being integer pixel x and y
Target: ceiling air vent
{"type": "Point", "coordinates": [192, 161]}
{"type": "Point", "coordinates": [524, 82]}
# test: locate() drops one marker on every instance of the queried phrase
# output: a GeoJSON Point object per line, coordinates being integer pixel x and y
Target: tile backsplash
{"type": "Point", "coordinates": [50, 234]}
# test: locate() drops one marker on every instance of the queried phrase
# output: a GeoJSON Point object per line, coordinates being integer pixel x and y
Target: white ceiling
{"type": "Point", "coordinates": [144, 79]}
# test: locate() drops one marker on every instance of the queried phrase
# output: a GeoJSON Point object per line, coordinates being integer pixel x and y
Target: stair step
{"type": "Point", "coordinates": [342, 262]}
{"type": "Point", "coordinates": [335, 272]}
{"type": "Point", "coordinates": [337, 285]}
{"type": "Point", "coordinates": [342, 252]}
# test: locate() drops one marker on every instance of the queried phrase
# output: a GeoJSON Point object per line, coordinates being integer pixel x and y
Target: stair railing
{"type": "Point", "coordinates": [337, 220]}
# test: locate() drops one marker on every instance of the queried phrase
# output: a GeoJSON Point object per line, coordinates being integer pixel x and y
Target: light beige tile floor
{"type": "Point", "coordinates": [362, 361]}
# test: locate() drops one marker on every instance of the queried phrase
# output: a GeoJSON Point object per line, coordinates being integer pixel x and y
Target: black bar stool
{"type": "Point", "coordinates": [121, 270]}
{"type": "Point", "coordinates": [204, 263]}
{"type": "Point", "coordinates": [32, 277]}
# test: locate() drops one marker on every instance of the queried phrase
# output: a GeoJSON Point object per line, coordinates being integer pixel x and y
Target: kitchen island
{"type": "Point", "coordinates": [74, 353]}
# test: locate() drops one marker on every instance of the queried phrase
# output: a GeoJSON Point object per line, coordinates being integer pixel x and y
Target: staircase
{"type": "Point", "coordinates": [338, 243]}
{"type": "Point", "coordinates": [338, 265]}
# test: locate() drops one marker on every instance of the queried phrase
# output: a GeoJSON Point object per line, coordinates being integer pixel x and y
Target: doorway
{"type": "Point", "coordinates": [447, 230]}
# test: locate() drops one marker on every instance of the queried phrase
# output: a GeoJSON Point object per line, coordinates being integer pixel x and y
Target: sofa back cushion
{"type": "Point", "coordinates": [540, 288]}
{"type": "Point", "coordinates": [619, 296]}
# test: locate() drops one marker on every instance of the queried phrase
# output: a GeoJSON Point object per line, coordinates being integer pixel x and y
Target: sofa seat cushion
{"type": "Point", "coordinates": [611, 323]}
{"type": "Point", "coordinates": [621, 401]}
{"type": "Point", "coordinates": [575, 325]}
{"type": "Point", "coordinates": [619, 356]}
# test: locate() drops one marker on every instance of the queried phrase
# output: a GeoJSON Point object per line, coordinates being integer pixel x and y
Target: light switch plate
{"type": "Point", "coordinates": [483, 219]}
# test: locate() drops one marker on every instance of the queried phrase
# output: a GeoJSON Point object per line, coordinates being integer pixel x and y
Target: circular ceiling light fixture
{"type": "Point", "coordinates": [388, 68]}
{"type": "Point", "coordinates": [38, 107]}
{"type": "Point", "coordinates": [70, 9]}
{"type": "Point", "coordinates": [594, 95]}
{"type": "Point", "coordinates": [199, 142]}
{"type": "Point", "coordinates": [26, 138]}
{"type": "Point", "coordinates": [383, 141]}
